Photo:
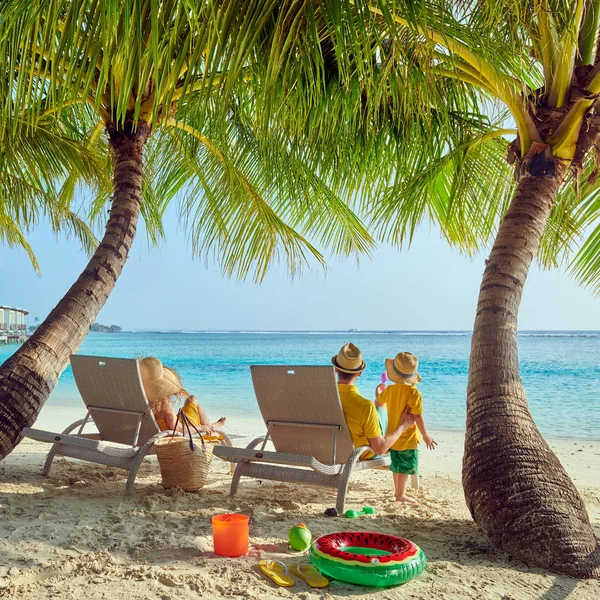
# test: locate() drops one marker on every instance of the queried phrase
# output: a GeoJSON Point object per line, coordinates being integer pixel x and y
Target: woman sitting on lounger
{"type": "Point", "coordinates": [161, 384]}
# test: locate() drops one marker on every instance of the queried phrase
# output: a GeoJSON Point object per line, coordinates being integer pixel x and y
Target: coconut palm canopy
{"type": "Point", "coordinates": [426, 119]}
{"type": "Point", "coordinates": [396, 109]}
{"type": "Point", "coordinates": [422, 119]}
{"type": "Point", "coordinates": [426, 95]}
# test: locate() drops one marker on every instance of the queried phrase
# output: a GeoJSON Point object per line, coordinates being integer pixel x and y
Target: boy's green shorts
{"type": "Point", "coordinates": [404, 461]}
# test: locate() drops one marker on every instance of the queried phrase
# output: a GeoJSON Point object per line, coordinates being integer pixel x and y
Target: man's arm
{"type": "Point", "coordinates": [383, 443]}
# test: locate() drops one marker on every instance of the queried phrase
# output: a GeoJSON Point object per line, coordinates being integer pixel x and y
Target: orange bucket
{"type": "Point", "coordinates": [230, 534]}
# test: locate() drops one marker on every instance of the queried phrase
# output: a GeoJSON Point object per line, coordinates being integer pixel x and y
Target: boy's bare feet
{"type": "Point", "coordinates": [406, 499]}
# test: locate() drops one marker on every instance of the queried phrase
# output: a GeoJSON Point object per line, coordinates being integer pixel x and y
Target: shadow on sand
{"type": "Point", "coordinates": [80, 511]}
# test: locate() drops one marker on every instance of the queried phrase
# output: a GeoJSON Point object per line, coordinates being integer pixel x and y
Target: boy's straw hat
{"type": "Point", "coordinates": [159, 381]}
{"type": "Point", "coordinates": [349, 360]}
{"type": "Point", "coordinates": [403, 368]}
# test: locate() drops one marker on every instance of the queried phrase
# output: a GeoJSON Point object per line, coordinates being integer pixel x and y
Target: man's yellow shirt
{"type": "Point", "coordinates": [361, 417]}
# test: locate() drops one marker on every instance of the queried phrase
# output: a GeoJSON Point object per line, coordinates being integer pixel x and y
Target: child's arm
{"type": "Point", "coordinates": [429, 441]}
{"type": "Point", "coordinates": [378, 391]}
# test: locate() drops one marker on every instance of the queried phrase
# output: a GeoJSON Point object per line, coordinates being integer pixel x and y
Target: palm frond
{"type": "Point", "coordinates": [586, 265]}
{"type": "Point", "coordinates": [464, 191]}
{"type": "Point", "coordinates": [39, 173]}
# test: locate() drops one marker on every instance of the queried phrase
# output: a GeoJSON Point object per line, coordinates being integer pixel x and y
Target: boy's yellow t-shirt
{"type": "Point", "coordinates": [396, 397]}
{"type": "Point", "coordinates": [361, 417]}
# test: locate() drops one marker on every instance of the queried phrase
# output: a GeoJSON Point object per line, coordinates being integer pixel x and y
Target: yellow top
{"type": "Point", "coordinates": [361, 417]}
{"type": "Point", "coordinates": [190, 410]}
{"type": "Point", "coordinates": [397, 397]}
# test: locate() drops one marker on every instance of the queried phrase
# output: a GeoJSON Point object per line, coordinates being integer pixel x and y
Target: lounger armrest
{"type": "Point", "coordinates": [281, 458]}
{"type": "Point", "coordinates": [59, 438]}
{"type": "Point", "coordinates": [255, 442]}
{"type": "Point", "coordinates": [358, 452]}
{"type": "Point", "coordinates": [74, 426]}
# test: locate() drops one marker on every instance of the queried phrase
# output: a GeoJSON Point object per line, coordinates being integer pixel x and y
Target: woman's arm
{"type": "Point", "coordinates": [170, 419]}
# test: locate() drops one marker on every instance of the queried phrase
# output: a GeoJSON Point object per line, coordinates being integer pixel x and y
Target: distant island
{"type": "Point", "coordinates": [97, 328]}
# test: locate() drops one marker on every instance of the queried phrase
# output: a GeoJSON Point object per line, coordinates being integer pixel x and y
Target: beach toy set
{"type": "Point", "coordinates": [363, 558]}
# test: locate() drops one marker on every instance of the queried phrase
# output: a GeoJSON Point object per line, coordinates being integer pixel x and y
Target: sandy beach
{"type": "Point", "coordinates": [75, 535]}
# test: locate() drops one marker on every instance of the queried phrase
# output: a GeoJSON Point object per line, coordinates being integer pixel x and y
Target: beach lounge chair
{"type": "Point", "coordinates": [112, 391]}
{"type": "Point", "coordinates": [305, 423]}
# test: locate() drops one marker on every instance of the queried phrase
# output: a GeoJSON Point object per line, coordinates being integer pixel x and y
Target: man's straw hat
{"type": "Point", "coordinates": [349, 360]}
{"type": "Point", "coordinates": [159, 381]}
{"type": "Point", "coordinates": [403, 368]}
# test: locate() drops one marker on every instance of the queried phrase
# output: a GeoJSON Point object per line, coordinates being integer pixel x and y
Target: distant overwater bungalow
{"type": "Point", "coordinates": [12, 324]}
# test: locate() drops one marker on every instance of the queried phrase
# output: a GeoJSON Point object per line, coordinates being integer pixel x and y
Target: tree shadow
{"type": "Point", "coordinates": [80, 510]}
{"type": "Point", "coordinates": [561, 588]}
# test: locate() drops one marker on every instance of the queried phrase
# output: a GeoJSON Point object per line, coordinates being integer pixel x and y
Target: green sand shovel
{"type": "Point", "coordinates": [354, 514]}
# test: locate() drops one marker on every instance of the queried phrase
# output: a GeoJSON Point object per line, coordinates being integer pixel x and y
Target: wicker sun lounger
{"type": "Point", "coordinates": [305, 422]}
{"type": "Point", "coordinates": [112, 391]}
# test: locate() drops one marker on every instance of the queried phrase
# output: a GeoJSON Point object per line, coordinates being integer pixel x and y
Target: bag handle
{"type": "Point", "coordinates": [185, 424]}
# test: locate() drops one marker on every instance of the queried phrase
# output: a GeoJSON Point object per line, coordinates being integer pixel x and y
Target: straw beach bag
{"type": "Point", "coordinates": [183, 463]}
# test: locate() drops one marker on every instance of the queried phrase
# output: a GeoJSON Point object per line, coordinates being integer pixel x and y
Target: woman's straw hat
{"type": "Point", "coordinates": [159, 381]}
{"type": "Point", "coordinates": [403, 368]}
{"type": "Point", "coordinates": [349, 360]}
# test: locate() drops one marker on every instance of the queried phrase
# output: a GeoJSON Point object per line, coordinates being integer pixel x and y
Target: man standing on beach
{"type": "Point", "coordinates": [360, 413]}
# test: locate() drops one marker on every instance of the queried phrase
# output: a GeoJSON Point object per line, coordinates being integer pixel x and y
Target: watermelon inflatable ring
{"type": "Point", "coordinates": [366, 558]}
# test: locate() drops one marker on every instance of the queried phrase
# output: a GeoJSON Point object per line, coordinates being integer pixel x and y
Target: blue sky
{"type": "Point", "coordinates": [426, 287]}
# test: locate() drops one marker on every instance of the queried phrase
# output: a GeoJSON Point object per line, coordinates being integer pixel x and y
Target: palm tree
{"type": "Point", "coordinates": [414, 83]}
{"type": "Point", "coordinates": [168, 81]}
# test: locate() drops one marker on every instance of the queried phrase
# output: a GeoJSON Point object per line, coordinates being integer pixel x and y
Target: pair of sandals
{"type": "Point", "coordinates": [278, 572]}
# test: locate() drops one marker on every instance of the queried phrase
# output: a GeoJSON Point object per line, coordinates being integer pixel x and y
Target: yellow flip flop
{"type": "Point", "coordinates": [277, 572]}
{"type": "Point", "coordinates": [310, 574]}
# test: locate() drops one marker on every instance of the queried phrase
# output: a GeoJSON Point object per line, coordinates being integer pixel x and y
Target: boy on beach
{"type": "Point", "coordinates": [404, 453]}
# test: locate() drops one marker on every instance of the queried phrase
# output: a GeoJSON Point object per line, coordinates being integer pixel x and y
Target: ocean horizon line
{"type": "Point", "coordinates": [424, 332]}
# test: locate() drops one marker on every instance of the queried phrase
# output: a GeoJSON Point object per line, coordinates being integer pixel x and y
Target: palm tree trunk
{"type": "Point", "coordinates": [29, 375]}
{"type": "Point", "coordinates": [515, 487]}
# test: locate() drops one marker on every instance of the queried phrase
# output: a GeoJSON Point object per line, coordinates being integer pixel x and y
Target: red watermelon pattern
{"type": "Point", "coordinates": [333, 545]}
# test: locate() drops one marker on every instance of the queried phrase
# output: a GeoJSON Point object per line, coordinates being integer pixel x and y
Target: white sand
{"type": "Point", "coordinates": [74, 534]}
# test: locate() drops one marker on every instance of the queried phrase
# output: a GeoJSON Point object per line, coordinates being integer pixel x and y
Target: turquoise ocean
{"type": "Point", "coordinates": [560, 370]}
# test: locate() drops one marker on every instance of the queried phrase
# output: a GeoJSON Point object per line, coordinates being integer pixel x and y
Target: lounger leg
{"type": "Point", "coordinates": [239, 469]}
{"type": "Point", "coordinates": [49, 459]}
{"type": "Point", "coordinates": [344, 479]}
{"type": "Point", "coordinates": [341, 495]}
{"type": "Point", "coordinates": [226, 441]}
{"type": "Point", "coordinates": [135, 466]}
{"type": "Point", "coordinates": [235, 481]}
{"type": "Point", "coordinates": [54, 449]}
{"type": "Point", "coordinates": [139, 459]}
